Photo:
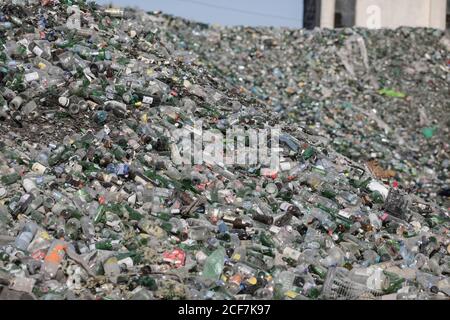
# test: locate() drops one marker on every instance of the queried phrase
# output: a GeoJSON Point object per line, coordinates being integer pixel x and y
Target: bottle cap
{"type": "Point", "coordinates": [64, 101]}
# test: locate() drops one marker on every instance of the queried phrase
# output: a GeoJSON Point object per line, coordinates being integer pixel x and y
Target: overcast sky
{"type": "Point", "coordinates": [287, 13]}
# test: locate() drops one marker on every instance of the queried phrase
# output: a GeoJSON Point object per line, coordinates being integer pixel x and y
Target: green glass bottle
{"type": "Point", "coordinates": [308, 153]}
{"type": "Point", "coordinates": [319, 270]}
{"type": "Point", "coordinates": [266, 240]}
{"type": "Point", "coordinates": [278, 292]}
{"type": "Point", "coordinates": [327, 192]}
{"type": "Point", "coordinates": [148, 282]}
{"type": "Point", "coordinates": [104, 245]}
{"type": "Point", "coordinates": [10, 178]}
{"type": "Point", "coordinates": [166, 226]}
{"type": "Point", "coordinates": [133, 214]}
{"type": "Point", "coordinates": [313, 293]}
{"type": "Point", "coordinates": [376, 197]}
{"type": "Point", "coordinates": [99, 215]}
{"type": "Point", "coordinates": [395, 282]}
{"type": "Point", "coordinates": [119, 153]}
{"type": "Point", "coordinates": [163, 216]}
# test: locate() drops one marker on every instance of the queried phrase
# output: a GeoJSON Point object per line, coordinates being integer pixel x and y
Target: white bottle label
{"type": "Point", "coordinates": [345, 214]}
{"type": "Point", "coordinates": [140, 180]}
{"type": "Point", "coordinates": [291, 253]}
{"type": "Point", "coordinates": [24, 42]}
{"type": "Point", "coordinates": [28, 185]}
{"type": "Point", "coordinates": [274, 229]}
{"type": "Point", "coordinates": [148, 100]}
{"type": "Point", "coordinates": [376, 186]}
{"type": "Point", "coordinates": [284, 166]}
{"type": "Point", "coordinates": [126, 261]}
{"type": "Point", "coordinates": [38, 51]}
{"type": "Point", "coordinates": [38, 168]}
{"type": "Point", "coordinates": [31, 76]}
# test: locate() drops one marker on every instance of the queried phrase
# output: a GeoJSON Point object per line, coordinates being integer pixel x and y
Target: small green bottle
{"type": "Point", "coordinates": [319, 270]}
{"type": "Point", "coordinates": [10, 178]}
{"type": "Point", "coordinates": [395, 282]}
{"type": "Point", "coordinates": [266, 240]}
{"type": "Point", "coordinates": [104, 245]}
{"type": "Point", "coordinates": [99, 214]}
{"type": "Point", "coordinates": [308, 153]}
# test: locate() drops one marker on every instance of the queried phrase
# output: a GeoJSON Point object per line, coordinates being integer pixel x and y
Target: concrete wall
{"type": "Point", "coordinates": [328, 8]}
{"type": "Point", "coordinates": [376, 14]}
{"type": "Point", "coordinates": [395, 13]}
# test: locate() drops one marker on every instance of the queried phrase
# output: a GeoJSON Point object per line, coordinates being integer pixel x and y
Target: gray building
{"type": "Point", "coordinates": [376, 13]}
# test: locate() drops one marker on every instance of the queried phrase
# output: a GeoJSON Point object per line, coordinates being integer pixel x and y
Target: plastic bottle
{"type": "Point", "coordinates": [335, 258]}
{"type": "Point", "coordinates": [72, 228]}
{"type": "Point", "coordinates": [372, 277]}
{"type": "Point", "coordinates": [233, 285]}
{"type": "Point", "coordinates": [199, 233]}
{"type": "Point", "coordinates": [214, 264]}
{"type": "Point", "coordinates": [54, 257]}
{"type": "Point", "coordinates": [27, 234]}
{"type": "Point", "coordinates": [375, 221]}
{"type": "Point", "coordinates": [263, 218]}
{"type": "Point", "coordinates": [87, 227]}
{"type": "Point", "coordinates": [285, 279]}
{"type": "Point", "coordinates": [112, 269]}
